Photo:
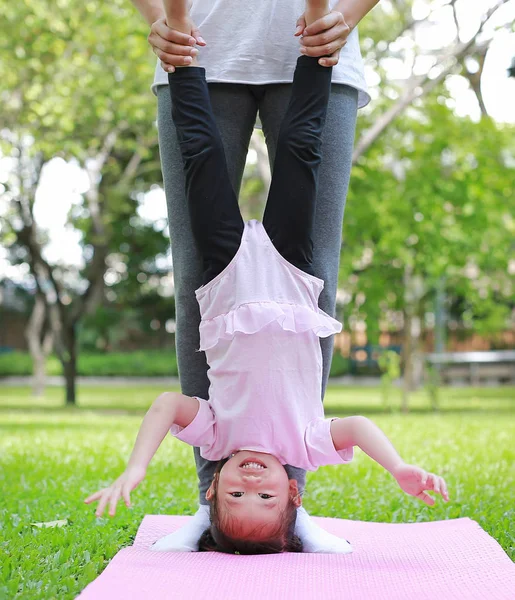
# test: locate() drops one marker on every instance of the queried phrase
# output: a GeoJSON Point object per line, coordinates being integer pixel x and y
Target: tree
{"type": "Point", "coordinates": [444, 60]}
{"type": "Point", "coordinates": [430, 202]}
{"type": "Point", "coordinates": [73, 88]}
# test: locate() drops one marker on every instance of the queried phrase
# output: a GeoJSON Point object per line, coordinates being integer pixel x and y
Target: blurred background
{"type": "Point", "coordinates": [87, 314]}
{"type": "Point", "coordinates": [426, 289]}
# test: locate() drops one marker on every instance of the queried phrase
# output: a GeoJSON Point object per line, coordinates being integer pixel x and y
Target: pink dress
{"type": "Point", "coordinates": [260, 330]}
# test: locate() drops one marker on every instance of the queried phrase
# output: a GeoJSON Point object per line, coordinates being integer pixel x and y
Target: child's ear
{"type": "Point", "coordinates": [211, 490]}
{"type": "Point", "coordinates": [294, 493]}
{"type": "Point", "coordinates": [210, 493]}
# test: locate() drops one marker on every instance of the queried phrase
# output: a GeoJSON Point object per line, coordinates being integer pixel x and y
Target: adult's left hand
{"type": "Point", "coordinates": [325, 37]}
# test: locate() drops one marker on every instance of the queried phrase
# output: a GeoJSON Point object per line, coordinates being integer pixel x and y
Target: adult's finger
{"type": "Point", "coordinates": [173, 59]}
{"type": "Point", "coordinates": [338, 33]}
{"type": "Point", "coordinates": [326, 50]}
{"type": "Point", "coordinates": [300, 25]}
{"type": "Point", "coordinates": [161, 30]}
{"type": "Point", "coordinates": [175, 49]}
{"type": "Point", "coordinates": [330, 61]}
{"type": "Point", "coordinates": [330, 20]}
{"type": "Point", "coordinates": [426, 498]}
{"type": "Point", "coordinates": [199, 39]}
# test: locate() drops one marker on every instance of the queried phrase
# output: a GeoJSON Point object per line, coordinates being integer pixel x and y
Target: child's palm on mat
{"type": "Point", "coordinates": [415, 481]}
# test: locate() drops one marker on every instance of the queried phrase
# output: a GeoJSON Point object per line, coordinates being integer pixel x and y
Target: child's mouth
{"type": "Point", "coordinates": [252, 464]}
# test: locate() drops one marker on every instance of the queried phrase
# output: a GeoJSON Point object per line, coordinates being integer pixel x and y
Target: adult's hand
{"type": "Point", "coordinates": [173, 48]}
{"type": "Point", "coordinates": [325, 37]}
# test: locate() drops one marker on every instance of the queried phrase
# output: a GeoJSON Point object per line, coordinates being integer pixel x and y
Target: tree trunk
{"type": "Point", "coordinates": [407, 356]}
{"type": "Point", "coordinates": [69, 362]}
{"type": "Point", "coordinates": [39, 350]}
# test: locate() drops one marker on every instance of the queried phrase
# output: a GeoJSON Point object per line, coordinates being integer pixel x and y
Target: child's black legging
{"type": "Point", "coordinates": [290, 210]}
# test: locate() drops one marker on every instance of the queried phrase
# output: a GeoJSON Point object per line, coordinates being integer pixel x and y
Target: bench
{"type": "Point", "coordinates": [491, 367]}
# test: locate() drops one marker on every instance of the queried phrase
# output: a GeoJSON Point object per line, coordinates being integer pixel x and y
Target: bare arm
{"type": "Point", "coordinates": [354, 10]}
{"type": "Point", "coordinates": [362, 432]}
{"type": "Point", "coordinates": [176, 10]}
{"type": "Point", "coordinates": [168, 409]}
{"type": "Point", "coordinates": [150, 10]}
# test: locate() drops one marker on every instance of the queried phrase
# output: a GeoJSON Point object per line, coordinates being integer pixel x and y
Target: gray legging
{"type": "Point", "coordinates": [235, 107]}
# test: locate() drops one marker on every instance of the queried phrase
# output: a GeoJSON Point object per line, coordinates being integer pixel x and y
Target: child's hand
{"type": "Point", "coordinates": [414, 481]}
{"type": "Point", "coordinates": [121, 488]}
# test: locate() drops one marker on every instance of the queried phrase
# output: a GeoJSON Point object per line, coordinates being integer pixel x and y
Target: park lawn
{"type": "Point", "coordinates": [51, 458]}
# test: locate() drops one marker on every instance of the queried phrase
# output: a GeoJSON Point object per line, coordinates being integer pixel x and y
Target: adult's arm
{"type": "Point", "coordinates": [150, 10]}
{"type": "Point", "coordinates": [173, 48]}
{"type": "Point", "coordinates": [327, 36]}
{"type": "Point", "coordinates": [355, 10]}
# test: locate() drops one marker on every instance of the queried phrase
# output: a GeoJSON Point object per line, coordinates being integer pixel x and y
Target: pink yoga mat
{"type": "Point", "coordinates": [447, 560]}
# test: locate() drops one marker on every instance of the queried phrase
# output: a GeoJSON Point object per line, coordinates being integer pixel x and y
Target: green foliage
{"type": "Point", "coordinates": [390, 364]}
{"type": "Point", "coordinates": [340, 365]}
{"type": "Point", "coordinates": [432, 383]}
{"type": "Point", "coordinates": [145, 363]}
{"type": "Point", "coordinates": [51, 461]}
{"type": "Point", "coordinates": [20, 364]}
{"type": "Point", "coordinates": [429, 201]}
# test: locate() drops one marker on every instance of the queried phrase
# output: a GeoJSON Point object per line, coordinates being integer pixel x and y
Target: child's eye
{"type": "Point", "coordinates": [265, 496]}
{"type": "Point", "coordinates": [236, 494]}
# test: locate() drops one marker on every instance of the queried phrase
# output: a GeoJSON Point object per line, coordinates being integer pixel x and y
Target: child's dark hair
{"type": "Point", "coordinates": [218, 537]}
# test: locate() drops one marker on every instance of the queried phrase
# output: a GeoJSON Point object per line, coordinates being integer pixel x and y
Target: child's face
{"type": "Point", "coordinates": [254, 488]}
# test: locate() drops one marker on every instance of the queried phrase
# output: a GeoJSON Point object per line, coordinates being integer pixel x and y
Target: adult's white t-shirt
{"type": "Point", "coordinates": [252, 42]}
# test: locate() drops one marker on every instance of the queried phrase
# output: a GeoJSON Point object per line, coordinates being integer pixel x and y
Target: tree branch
{"type": "Point", "coordinates": [418, 86]}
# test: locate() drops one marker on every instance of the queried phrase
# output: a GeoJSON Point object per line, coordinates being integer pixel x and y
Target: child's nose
{"type": "Point", "coordinates": [248, 478]}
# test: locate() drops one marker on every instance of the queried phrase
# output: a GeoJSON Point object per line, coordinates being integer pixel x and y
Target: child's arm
{"type": "Point", "coordinates": [177, 15]}
{"type": "Point", "coordinates": [360, 431]}
{"type": "Point", "coordinates": [168, 409]}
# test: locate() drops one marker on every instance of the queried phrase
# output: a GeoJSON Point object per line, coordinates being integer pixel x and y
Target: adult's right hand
{"type": "Point", "coordinates": [173, 48]}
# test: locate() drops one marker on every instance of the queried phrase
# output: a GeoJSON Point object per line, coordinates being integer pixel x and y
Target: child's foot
{"type": "Point", "coordinates": [316, 539]}
{"type": "Point", "coordinates": [187, 537]}
{"type": "Point", "coordinates": [316, 9]}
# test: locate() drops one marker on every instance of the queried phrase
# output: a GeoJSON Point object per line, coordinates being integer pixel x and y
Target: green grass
{"type": "Point", "coordinates": [51, 458]}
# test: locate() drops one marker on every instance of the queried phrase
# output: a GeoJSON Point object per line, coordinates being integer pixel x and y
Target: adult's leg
{"type": "Point", "coordinates": [235, 110]}
{"type": "Point", "coordinates": [290, 210]}
{"type": "Point", "coordinates": [333, 182]}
